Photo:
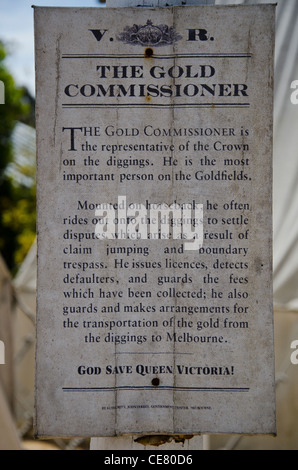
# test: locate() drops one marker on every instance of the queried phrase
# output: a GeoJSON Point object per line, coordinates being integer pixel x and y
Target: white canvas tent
{"type": "Point", "coordinates": [285, 262]}
{"type": "Point", "coordinates": [9, 438]}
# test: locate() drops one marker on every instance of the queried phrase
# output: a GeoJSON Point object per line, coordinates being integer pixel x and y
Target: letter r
{"type": "Point", "coordinates": [197, 35]}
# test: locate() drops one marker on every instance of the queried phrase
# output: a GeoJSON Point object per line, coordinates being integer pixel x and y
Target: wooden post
{"type": "Point", "coordinates": [151, 442]}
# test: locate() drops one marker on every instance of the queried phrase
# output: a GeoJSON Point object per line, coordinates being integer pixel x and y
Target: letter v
{"type": "Point", "coordinates": [98, 33]}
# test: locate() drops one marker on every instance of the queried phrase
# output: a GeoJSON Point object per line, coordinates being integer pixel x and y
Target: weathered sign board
{"type": "Point", "coordinates": [154, 133]}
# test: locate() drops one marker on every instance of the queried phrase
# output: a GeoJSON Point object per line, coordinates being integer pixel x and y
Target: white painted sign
{"type": "Point", "coordinates": [154, 132]}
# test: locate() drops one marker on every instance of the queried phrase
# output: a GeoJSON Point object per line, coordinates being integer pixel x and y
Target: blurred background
{"type": "Point", "coordinates": [18, 231]}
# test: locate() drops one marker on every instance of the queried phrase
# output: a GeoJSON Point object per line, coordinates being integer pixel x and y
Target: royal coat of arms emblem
{"type": "Point", "coordinates": [149, 35]}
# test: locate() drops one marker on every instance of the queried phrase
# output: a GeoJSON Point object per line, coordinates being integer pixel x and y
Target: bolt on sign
{"type": "Point", "coordinates": [154, 132]}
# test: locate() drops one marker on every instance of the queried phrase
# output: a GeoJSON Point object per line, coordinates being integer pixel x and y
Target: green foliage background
{"type": "Point", "coordinates": [17, 199]}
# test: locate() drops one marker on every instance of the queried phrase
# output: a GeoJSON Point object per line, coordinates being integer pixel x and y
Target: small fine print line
{"type": "Point", "coordinates": [161, 353]}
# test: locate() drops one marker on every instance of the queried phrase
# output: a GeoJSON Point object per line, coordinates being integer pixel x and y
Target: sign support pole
{"type": "Point", "coordinates": [151, 442]}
